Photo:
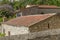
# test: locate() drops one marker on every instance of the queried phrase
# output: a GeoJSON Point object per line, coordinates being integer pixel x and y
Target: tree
{"type": "Point", "coordinates": [5, 1]}
{"type": "Point", "coordinates": [6, 13]}
{"type": "Point", "coordinates": [16, 5]}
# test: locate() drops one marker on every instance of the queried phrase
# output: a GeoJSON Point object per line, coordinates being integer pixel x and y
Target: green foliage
{"type": "Point", "coordinates": [5, 1]}
{"type": "Point", "coordinates": [16, 5]}
{"type": "Point", "coordinates": [5, 13]}
{"type": "Point", "coordinates": [1, 19]}
{"type": "Point", "coordinates": [2, 35]}
{"type": "Point", "coordinates": [22, 4]}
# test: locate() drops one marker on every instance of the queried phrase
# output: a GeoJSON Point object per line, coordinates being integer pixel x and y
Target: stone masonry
{"type": "Point", "coordinates": [53, 34]}
{"type": "Point", "coordinates": [50, 23]}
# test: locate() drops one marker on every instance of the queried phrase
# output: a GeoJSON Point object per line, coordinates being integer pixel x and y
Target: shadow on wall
{"type": "Point", "coordinates": [42, 13]}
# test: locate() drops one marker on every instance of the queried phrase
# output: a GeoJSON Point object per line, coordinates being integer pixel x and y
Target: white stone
{"type": "Point", "coordinates": [15, 30]}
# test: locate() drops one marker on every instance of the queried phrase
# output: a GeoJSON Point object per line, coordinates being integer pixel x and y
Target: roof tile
{"type": "Point", "coordinates": [28, 20]}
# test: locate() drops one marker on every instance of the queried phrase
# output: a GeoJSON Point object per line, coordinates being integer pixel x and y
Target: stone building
{"type": "Point", "coordinates": [31, 23]}
{"type": "Point", "coordinates": [39, 9]}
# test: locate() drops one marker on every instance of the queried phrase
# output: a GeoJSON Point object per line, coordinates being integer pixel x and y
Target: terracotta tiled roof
{"type": "Point", "coordinates": [44, 6]}
{"type": "Point", "coordinates": [28, 20]}
{"type": "Point", "coordinates": [48, 6]}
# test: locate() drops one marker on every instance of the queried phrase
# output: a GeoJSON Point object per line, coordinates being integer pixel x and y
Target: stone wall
{"type": "Point", "coordinates": [14, 30]}
{"type": "Point", "coordinates": [53, 34]}
{"type": "Point", "coordinates": [49, 37]}
{"type": "Point", "coordinates": [37, 10]}
{"type": "Point", "coordinates": [50, 23]}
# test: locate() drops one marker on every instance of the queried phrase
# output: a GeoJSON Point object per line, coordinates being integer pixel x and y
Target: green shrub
{"type": "Point", "coordinates": [1, 19]}
{"type": "Point", "coordinates": [2, 35]}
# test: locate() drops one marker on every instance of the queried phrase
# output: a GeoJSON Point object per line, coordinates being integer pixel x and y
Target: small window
{"type": "Point", "coordinates": [42, 12]}
{"type": "Point", "coordinates": [19, 14]}
{"type": "Point", "coordinates": [48, 25]}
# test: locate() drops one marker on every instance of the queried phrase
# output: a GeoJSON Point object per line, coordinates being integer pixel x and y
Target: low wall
{"type": "Point", "coordinates": [49, 37]}
{"type": "Point", "coordinates": [44, 35]}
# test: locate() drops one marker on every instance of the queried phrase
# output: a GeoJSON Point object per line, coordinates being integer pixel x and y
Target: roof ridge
{"type": "Point", "coordinates": [40, 14]}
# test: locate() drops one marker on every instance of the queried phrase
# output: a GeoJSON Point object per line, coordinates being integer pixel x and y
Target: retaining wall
{"type": "Point", "coordinates": [52, 34]}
